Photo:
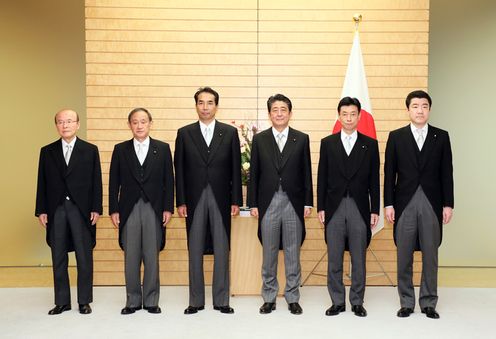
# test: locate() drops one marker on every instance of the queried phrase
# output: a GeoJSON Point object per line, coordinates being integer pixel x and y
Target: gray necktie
{"type": "Point", "coordinates": [348, 144]}
{"type": "Point", "coordinates": [140, 153]}
{"type": "Point", "coordinates": [420, 138]}
{"type": "Point", "coordinates": [280, 143]}
{"type": "Point", "coordinates": [67, 155]}
{"type": "Point", "coordinates": [208, 139]}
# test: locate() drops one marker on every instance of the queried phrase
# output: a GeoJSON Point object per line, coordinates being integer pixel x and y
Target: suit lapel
{"type": "Point", "coordinates": [411, 144]}
{"type": "Point", "coordinates": [58, 157]}
{"type": "Point", "coordinates": [216, 140]}
{"type": "Point", "coordinates": [132, 158]}
{"type": "Point", "coordinates": [340, 154]}
{"type": "Point", "coordinates": [74, 157]}
{"type": "Point", "coordinates": [199, 141]}
{"type": "Point", "coordinates": [357, 154]}
{"type": "Point", "coordinates": [151, 157]}
{"type": "Point", "coordinates": [428, 146]}
{"type": "Point", "coordinates": [271, 146]}
{"type": "Point", "coordinates": [288, 147]}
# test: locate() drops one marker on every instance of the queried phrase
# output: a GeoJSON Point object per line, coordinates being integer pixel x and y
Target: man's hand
{"type": "Point", "coordinates": [182, 211]}
{"type": "Point", "coordinates": [307, 212]}
{"type": "Point", "coordinates": [166, 217]}
{"type": "Point", "coordinates": [447, 214]}
{"type": "Point", "coordinates": [389, 213]}
{"type": "Point", "coordinates": [94, 216]}
{"type": "Point", "coordinates": [234, 210]}
{"type": "Point", "coordinates": [321, 216]}
{"type": "Point", "coordinates": [43, 219]}
{"type": "Point", "coordinates": [254, 212]}
{"type": "Point", "coordinates": [115, 219]}
{"type": "Point", "coordinates": [374, 219]}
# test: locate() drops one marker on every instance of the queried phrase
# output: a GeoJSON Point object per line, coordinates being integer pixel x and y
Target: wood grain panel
{"type": "Point", "coordinates": [155, 54]}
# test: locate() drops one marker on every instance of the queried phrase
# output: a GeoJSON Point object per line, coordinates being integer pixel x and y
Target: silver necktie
{"type": "Point", "coordinates": [67, 155]}
{"type": "Point", "coordinates": [348, 144]}
{"type": "Point", "coordinates": [280, 143]}
{"type": "Point", "coordinates": [420, 139]}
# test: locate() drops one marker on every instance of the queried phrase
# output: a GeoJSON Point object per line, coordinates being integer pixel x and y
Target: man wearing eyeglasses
{"type": "Point", "coordinates": [68, 205]}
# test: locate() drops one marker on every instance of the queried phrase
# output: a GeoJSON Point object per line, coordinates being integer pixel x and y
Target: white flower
{"type": "Point", "coordinates": [243, 149]}
{"type": "Point", "coordinates": [246, 166]}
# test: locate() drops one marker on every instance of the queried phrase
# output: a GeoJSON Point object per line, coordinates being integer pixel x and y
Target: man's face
{"type": "Point", "coordinates": [349, 117]}
{"type": "Point", "coordinates": [67, 124]}
{"type": "Point", "coordinates": [140, 125]}
{"type": "Point", "coordinates": [279, 115]}
{"type": "Point", "coordinates": [419, 110]}
{"type": "Point", "coordinates": [206, 107]}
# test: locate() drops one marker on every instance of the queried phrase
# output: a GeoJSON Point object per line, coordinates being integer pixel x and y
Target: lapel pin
{"type": "Point", "coordinates": [154, 151]}
{"type": "Point", "coordinates": [435, 135]}
{"type": "Point", "coordinates": [294, 139]}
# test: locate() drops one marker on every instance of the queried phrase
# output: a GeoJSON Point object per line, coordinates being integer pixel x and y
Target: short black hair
{"type": "Point", "coordinates": [138, 109]}
{"type": "Point", "coordinates": [349, 101]}
{"type": "Point", "coordinates": [417, 94]}
{"type": "Point", "coordinates": [207, 90]}
{"type": "Point", "coordinates": [279, 97]}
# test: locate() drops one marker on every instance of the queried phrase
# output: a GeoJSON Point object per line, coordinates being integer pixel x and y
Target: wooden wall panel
{"type": "Point", "coordinates": [156, 53]}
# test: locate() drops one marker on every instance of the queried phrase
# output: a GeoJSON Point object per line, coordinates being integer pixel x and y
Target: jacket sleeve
{"type": "Point", "coordinates": [374, 179]}
{"type": "Point", "coordinates": [447, 175]}
{"type": "Point", "coordinates": [308, 173]}
{"type": "Point", "coordinates": [254, 174]}
{"type": "Point", "coordinates": [179, 167]}
{"type": "Point", "coordinates": [97, 184]}
{"type": "Point", "coordinates": [114, 182]}
{"type": "Point", "coordinates": [41, 197]}
{"type": "Point", "coordinates": [168, 182]}
{"type": "Point", "coordinates": [322, 178]}
{"type": "Point", "coordinates": [390, 168]}
{"type": "Point", "coordinates": [236, 192]}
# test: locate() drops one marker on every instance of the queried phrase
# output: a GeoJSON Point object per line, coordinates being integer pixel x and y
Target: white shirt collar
{"type": "Point", "coordinates": [284, 132]}
{"type": "Point", "coordinates": [72, 143]}
{"type": "Point", "coordinates": [415, 129]}
{"type": "Point", "coordinates": [353, 136]}
{"type": "Point", "coordinates": [145, 142]}
{"type": "Point", "coordinates": [211, 125]}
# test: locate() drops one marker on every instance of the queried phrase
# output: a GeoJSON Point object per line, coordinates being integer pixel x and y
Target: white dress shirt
{"type": "Point", "coordinates": [207, 131]}
{"type": "Point", "coordinates": [284, 136]}
{"type": "Point", "coordinates": [141, 149]}
{"type": "Point", "coordinates": [415, 132]}
{"type": "Point", "coordinates": [64, 149]}
{"type": "Point", "coordinates": [353, 138]}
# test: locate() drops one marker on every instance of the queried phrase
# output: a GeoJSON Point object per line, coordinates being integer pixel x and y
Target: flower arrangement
{"type": "Point", "coordinates": [247, 132]}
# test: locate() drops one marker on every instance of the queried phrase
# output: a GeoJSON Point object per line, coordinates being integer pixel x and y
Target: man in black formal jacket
{"type": "Point", "coordinates": [418, 199]}
{"type": "Point", "coordinates": [281, 196]}
{"type": "Point", "coordinates": [68, 205]}
{"type": "Point", "coordinates": [348, 203]}
{"type": "Point", "coordinates": [141, 203]}
{"type": "Point", "coordinates": [207, 162]}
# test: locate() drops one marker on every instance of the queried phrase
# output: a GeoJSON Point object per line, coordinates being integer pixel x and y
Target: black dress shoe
{"type": "Point", "coordinates": [59, 309]}
{"type": "Point", "coordinates": [267, 308]}
{"type": "Point", "coordinates": [193, 309]}
{"type": "Point", "coordinates": [335, 309]}
{"type": "Point", "coordinates": [130, 310]}
{"type": "Point", "coordinates": [224, 309]}
{"type": "Point", "coordinates": [359, 310]}
{"type": "Point", "coordinates": [84, 308]}
{"type": "Point", "coordinates": [153, 309]}
{"type": "Point", "coordinates": [430, 312]}
{"type": "Point", "coordinates": [404, 312]}
{"type": "Point", "coordinates": [295, 308]}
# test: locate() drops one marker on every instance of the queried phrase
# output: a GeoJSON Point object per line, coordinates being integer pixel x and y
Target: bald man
{"type": "Point", "coordinates": [68, 205]}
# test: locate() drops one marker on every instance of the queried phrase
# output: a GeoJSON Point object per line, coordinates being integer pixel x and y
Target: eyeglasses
{"type": "Point", "coordinates": [66, 122]}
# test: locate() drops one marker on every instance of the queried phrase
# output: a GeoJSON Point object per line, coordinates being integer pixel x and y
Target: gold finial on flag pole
{"type": "Point", "coordinates": [357, 17]}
